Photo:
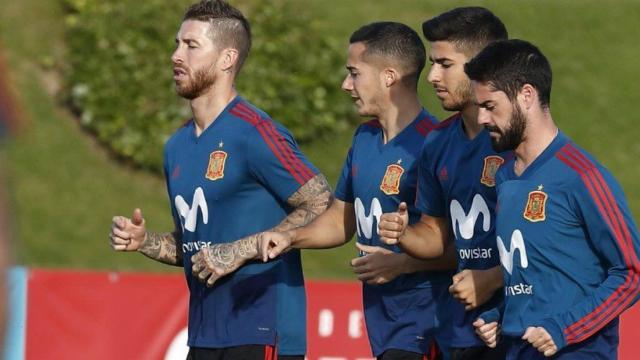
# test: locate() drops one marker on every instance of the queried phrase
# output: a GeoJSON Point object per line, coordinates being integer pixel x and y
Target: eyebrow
{"type": "Point", "coordinates": [483, 104]}
{"type": "Point", "coordinates": [439, 60]}
{"type": "Point", "coordinates": [187, 39]}
{"type": "Point", "coordinates": [351, 68]}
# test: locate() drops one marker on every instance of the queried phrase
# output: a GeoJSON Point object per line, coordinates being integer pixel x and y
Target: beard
{"type": "Point", "coordinates": [510, 138]}
{"type": "Point", "coordinates": [462, 95]}
{"type": "Point", "coordinates": [202, 80]}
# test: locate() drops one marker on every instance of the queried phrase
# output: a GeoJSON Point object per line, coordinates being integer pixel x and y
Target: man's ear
{"type": "Point", "coordinates": [390, 76]}
{"type": "Point", "coordinates": [228, 59]}
{"type": "Point", "coordinates": [528, 95]}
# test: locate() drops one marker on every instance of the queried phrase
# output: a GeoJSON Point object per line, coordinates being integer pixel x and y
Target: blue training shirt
{"type": "Point", "coordinates": [376, 178]}
{"type": "Point", "coordinates": [230, 182]}
{"type": "Point", "coordinates": [568, 246]}
{"type": "Point", "coordinates": [457, 182]}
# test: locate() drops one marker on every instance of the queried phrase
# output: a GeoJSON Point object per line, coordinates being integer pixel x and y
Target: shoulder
{"type": "Point", "coordinates": [440, 131]}
{"type": "Point", "coordinates": [256, 121]}
{"type": "Point", "coordinates": [368, 128]}
{"type": "Point", "coordinates": [180, 134]}
{"type": "Point", "coordinates": [580, 165]}
{"type": "Point", "coordinates": [247, 113]}
{"type": "Point", "coordinates": [575, 161]}
{"type": "Point", "coordinates": [448, 123]}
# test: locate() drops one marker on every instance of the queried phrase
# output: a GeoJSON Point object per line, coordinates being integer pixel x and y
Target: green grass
{"type": "Point", "coordinates": [64, 188]}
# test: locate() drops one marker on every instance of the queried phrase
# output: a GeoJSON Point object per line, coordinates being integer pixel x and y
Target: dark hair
{"type": "Point", "coordinates": [394, 41]}
{"type": "Point", "coordinates": [510, 64]}
{"type": "Point", "coordinates": [228, 27]}
{"type": "Point", "coordinates": [470, 29]}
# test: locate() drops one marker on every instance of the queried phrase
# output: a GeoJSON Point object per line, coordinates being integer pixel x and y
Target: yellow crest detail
{"type": "Point", "coordinates": [215, 170]}
{"type": "Point", "coordinates": [535, 209]}
{"type": "Point", "coordinates": [491, 165]}
{"type": "Point", "coordinates": [391, 182]}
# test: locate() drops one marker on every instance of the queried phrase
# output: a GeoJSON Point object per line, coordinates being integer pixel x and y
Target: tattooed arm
{"type": "Point", "coordinates": [131, 235]}
{"type": "Point", "coordinates": [162, 247]}
{"type": "Point", "coordinates": [215, 261]}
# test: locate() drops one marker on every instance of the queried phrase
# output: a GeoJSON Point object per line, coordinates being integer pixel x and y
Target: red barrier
{"type": "Point", "coordinates": [72, 315]}
{"type": "Point", "coordinates": [335, 327]}
{"type": "Point", "coordinates": [81, 315]}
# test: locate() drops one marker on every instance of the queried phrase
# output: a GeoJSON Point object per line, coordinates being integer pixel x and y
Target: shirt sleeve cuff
{"type": "Point", "coordinates": [555, 330]}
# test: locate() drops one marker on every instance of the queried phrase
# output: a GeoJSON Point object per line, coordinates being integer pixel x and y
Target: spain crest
{"type": "Point", "coordinates": [215, 170]}
{"type": "Point", "coordinates": [391, 182]}
{"type": "Point", "coordinates": [491, 165]}
{"type": "Point", "coordinates": [535, 209]}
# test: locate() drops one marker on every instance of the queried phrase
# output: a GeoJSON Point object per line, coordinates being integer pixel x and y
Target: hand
{"type": "Point", "coordinates": [488, 332]}
{"type": "Point", "coordinates": [272, 244]}
{"type": "Point", "coordinates": [540, 339]}
{"type": "Point", "coordinates": [213, 262]}
{"type": "Point", "coordinates": [378, 266]}
{"type": "Point", "coordinates": [473, 287]}
{"type": "Point", "coordinates": [393, 225]}
{"type": "Point", "coordinates": [128, 234]}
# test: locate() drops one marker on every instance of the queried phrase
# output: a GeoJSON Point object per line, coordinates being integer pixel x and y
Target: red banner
{"type": "Point", "coordinates": [73, 315]}
{"type": "Point", "coordinates": [81, 315]}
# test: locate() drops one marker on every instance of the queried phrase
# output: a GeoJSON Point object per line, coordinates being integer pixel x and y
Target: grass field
{"type": "Point", "coordinates": [64, 188]}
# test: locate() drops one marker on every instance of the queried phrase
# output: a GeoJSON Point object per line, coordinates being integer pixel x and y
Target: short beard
{"type": "Point", "coordinates": [203, 79]}
{"type": "Point", "coordinates": [512, 137]}
{"type": "Point", "coordinates": [463, 93]}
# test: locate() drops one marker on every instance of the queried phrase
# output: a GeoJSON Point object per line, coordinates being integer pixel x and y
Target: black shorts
{"type": "Point", "coordinates": [243, 352]}
{"type": "Point", "coordinates": [479, 353]}
{"type": "Point", "coordinates": [395, 354]}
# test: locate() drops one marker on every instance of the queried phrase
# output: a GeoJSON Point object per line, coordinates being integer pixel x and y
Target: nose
{"type": "Point", "coordinates": [347, 83]}
{"type": "Point", "coordinates": [434, 74]}
{"type": "Point", "coordinates": [484, 117]}
{"type": "Point", "coordinates": [176, 57]}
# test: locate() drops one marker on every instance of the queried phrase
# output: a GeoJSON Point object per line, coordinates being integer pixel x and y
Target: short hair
{"type": "Point", "coordinates": [228, 26]}
{"type": "Point", "coordinates": [397, 42]}
{"type": "Point", "coordinates": [508, 65]}
{"type": "Point", "coordinates": [470, 29]}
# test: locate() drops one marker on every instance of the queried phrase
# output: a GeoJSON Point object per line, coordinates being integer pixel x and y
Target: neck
{"type": "Point", "coordinates": [470, 120]}
{"type": "Point", "coordinates": [398, 115]}
{"type": "Point", "coordinates": [207, 107]}
{"type": "Point", "coordinates": [540, 132]}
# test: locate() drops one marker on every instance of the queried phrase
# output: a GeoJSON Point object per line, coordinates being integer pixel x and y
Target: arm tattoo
{"type": "Point", "coordinates": [230, 256]}
{"type": "Point", "coordinates": [161, 247]}
{"type": "Point", "coordinates": [308, 202]}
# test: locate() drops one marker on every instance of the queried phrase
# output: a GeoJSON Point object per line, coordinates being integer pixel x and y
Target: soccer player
{"type": "Point", "coordinates": [456, 184]}
{"type": "Point", "coordinates": [567, 241]}
{"type": "Point", "coordinates": [384, 63]}
{"type": "Point", "coordinates": [232, 173]}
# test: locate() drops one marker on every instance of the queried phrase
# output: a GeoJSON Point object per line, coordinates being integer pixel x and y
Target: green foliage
{"type": "Point", "coordinates": [294, 72]}
{"type": "Point", "coordinates": [120, 79]}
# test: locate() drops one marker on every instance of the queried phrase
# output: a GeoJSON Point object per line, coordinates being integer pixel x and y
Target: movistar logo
{"type": "Point", "coordinates": [506, 257]}
{"type": "Point", "coordinates": [466, 223]}
{"type": "Point", "coordinates": [364, 222]}
{"type": "Point", "coordinates": [189, 214]}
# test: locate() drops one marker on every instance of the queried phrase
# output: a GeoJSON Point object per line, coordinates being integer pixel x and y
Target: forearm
{"type": "Point", "coordinates": [311, 200]}
{"type": "Point", "coordinates": [329, 230]}
{"type": "Point", "coordinates": [423, 242]}
{"type": "Point", "coordinates": [161, 247]}
{"type": "Point", "coordinates": [442, 263]}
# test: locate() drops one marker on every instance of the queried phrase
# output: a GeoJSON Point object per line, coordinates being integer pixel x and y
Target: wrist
{"type": "Point", "coordinates": [404, 263]}
{"type": "Point", "coordinates": [143, 241]}
{"type": "Point", "coordinates": [294, 237]}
